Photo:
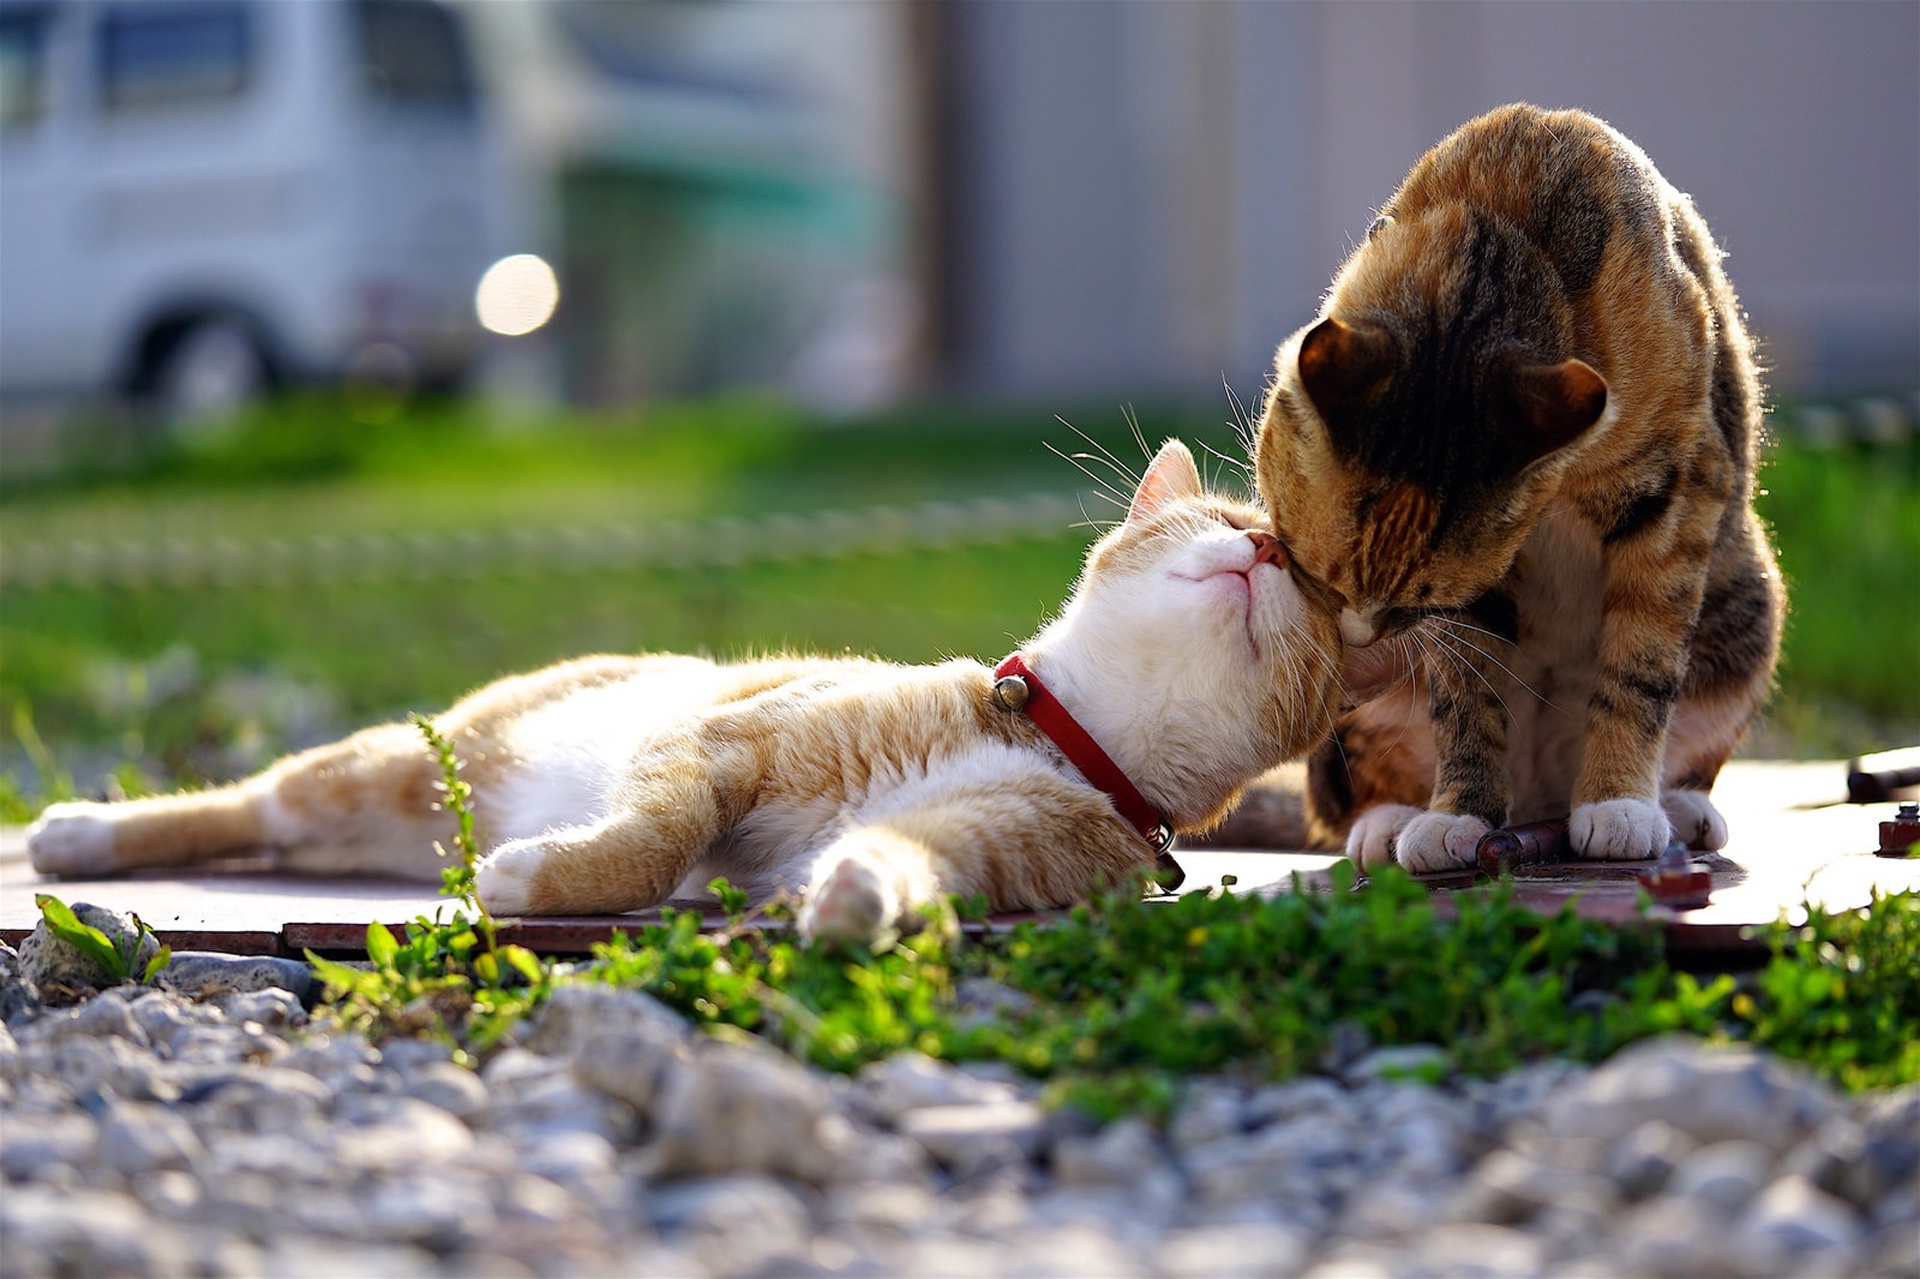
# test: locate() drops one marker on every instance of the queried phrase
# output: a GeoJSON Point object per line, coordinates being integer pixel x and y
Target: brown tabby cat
{"type": "Point", "coordinates": [613, 783]}
{"type": "Point", "coordinates": [1520, 440]}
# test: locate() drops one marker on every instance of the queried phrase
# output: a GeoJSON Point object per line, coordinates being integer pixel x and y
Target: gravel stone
{"type": "Point", "coordinates": [973, 1140]}
{"type": "Point", "coordinates": [1240, 1250]}
{"type": "Point", "coordinates": [1799, 1228]}
{"type": "Point", "coordinates": [1710, 1096]}
{"type": "Point", "coordinates": [138, 1138]}
{"type": "Point", "coordinates": [454, 1089]}
{"type": "Point", "coordinates": [201, 974]}
{"type": "Point", "coordinates": [885, 1091]}
{"type": "Point", "coordinates": [1721, 1177]}
{"type": "Point", "coordinates": [144, 1132]}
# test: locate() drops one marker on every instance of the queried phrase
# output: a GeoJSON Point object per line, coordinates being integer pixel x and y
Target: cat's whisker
{"type": "Point", "coordinates": [1459, 625]}
{"type": "Point", "coordinates": [1128, 475]}
{"type": "Point", "coordinates": [1231, 463]}
{"type": "Point", "coordinates": [1446, 644]}
{"type": "Point", "coordinates": [1081, 462]}
{"type": "Point", "coordinates": [1510, 672]}
{"type": "Point", "coordinates": [1139, 438]}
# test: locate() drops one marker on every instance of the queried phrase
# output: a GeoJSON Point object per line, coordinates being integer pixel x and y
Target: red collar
{"type": "Point", "coordinates": [1028, 694]}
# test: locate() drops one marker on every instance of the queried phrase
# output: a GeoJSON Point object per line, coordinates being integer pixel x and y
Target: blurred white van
{"type": "Point", "coordinates": [201, 199]}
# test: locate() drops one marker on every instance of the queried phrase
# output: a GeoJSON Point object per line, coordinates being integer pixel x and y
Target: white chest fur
{"type": "Point", "coordinates": [1559, 589]}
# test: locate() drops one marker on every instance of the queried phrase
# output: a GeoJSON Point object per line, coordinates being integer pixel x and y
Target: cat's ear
{"type": "Point", "coordinates": [1549, 406]}
{"type": "Point", "coordinates": [1342, 364]}
{"type": "Point", "coordinates": [1171, 475]}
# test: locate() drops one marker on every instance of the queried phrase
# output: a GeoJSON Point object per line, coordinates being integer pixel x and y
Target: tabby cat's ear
{"type": "Point", "coordinates": [1549, 406]}
{"type": "Point", "coordinates": [1171, 475]}
{"type": "Point", "coordinates": [1342, 364]}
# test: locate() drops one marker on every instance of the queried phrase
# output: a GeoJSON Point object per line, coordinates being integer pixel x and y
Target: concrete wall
{"type": "Point", "coordinates": [1149, 196]}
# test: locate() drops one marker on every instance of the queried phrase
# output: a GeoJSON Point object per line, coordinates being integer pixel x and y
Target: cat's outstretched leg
{"type": "Point", "coordinates": [361, 805]}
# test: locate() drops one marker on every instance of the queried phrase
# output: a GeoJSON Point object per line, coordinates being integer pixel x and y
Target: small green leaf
{"type": "Point", "coordinates": [381, 946]}
{"type": "Point", "coordinates": [343, 979]}
{"type": "Point", "coordinates": [94, 943]}
{"type": "Point", "coordinates": [524, 962]}
{"type": "Point", "coordinates": [155, 964]}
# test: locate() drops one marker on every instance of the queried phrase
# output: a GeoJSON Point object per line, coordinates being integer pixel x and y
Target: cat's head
{"type": "Point", "coordinates": [1412, 436]}
{"type": "Point", "coordinates": [1187, 650]}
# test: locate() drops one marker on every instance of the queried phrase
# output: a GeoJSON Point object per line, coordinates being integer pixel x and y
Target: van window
{"type": "Point", "coordinates": [412, 53]}
{"type": "Point", "coordinates": [23, 64]}
{"type": "Point", "coordinates": [164, 55]}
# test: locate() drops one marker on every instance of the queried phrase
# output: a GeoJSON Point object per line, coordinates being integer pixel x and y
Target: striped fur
{"type": "Point", "coordinates": [1519, 442]}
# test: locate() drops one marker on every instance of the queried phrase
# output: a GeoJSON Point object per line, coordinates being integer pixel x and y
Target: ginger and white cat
{"type": "Point", "coordinates": [1521, 437]}
{"type": "Point", "coordinates": [613, 783]}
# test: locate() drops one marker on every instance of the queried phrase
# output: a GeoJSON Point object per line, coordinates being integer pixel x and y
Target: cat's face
{"type": "Point", "coordinates": [1187, 615]}
{"type": "Point", "coordinates": [1397, 495]}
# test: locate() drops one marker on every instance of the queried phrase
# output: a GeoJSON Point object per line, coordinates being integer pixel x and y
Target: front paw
{"type": "Point", "coordinates": [1439, 841]}
{"type": "Point", "coordinates": [1619, 830]}
{"type": "Point", "coordinates": [72, 839]}
{"type": "Point", "coordinates": [1695, 819]}
{"type": "Point", "coordinates": [1370, 842]}
{"type": "Point", "coordinates": [504, 881]}
{"type": "Point", "coordinates": [852, 903]}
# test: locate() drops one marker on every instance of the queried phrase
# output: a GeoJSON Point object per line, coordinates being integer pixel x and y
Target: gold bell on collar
{"type": "Point", "coordinates": [1011, 692]}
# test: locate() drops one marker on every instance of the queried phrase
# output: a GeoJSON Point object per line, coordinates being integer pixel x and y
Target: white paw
{"type": "Point", "coordinates": [1695, 819]}
{"type": "Point", "coordinates": [504, 879]}
{"type": "Point", "coordinates": [852, 903]}
{"type": "Point", "coordinates": [1619, 830]}
{"type": "Point", "coordinates": [72, 839]}
{"type": "Point", "coordinates": [1370, 842]}
{"type": "Point", "coordinates": [1439, 841]}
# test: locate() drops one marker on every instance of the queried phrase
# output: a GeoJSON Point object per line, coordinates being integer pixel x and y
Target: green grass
{"type": "Point", "coordinates": [1121, 1000]}
{"type": "Point", "coordinates": [1846, 523]}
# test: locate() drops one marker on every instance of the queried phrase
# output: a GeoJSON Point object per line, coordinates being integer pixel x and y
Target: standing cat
{"type": "Point", "coordinates": [1521, 437]}
{"type": "Point", "coordinates": [613, 783]}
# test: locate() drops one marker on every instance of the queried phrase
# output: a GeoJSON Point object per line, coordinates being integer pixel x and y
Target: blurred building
{"type": "Point", "coordinates": [1143, 195]}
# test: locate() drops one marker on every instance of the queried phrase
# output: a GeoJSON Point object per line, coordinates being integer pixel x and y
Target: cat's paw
{"type": "Point", "coordinates": [1370, 842]}
{"type": "Point", "coordinates": [854, 903]}
{"type": "Point", "coordinates": [1619, 830]}
{"type": "Point", "coordinates": [504, 881]}
{"type": "Point", "coordinates": [72, 839]}
{"type": "Point", "coordinates": [1439, 841]}
{"type": "Point", "coordinates": [1695, 819]}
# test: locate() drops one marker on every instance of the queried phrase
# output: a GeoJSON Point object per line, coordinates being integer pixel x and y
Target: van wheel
{"type": "Point", "coordinates": [207, 375]}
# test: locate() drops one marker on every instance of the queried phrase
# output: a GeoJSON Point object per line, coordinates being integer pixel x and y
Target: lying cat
{"type": "Point", "coordinates": [1521, 437]}
{"type": "Point", "coordinates": [613, 783]}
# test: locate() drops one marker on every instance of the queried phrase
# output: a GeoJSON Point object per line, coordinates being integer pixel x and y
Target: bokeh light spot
{"type": "Point", "coordinates": [517, 295]}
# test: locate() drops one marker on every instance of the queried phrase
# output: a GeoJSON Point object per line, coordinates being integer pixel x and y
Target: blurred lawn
{"type": "Point", "coordinates": [208, 682]}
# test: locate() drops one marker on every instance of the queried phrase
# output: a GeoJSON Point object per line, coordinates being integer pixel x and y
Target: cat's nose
{"type": "Point", "coordinates": [1358, 629]}
{"type": "Point", "coordinates": [1267, 549]}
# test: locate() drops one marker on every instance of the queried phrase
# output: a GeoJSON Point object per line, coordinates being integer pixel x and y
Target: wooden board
{"type": "Point", "coordinates": [1794, 843]}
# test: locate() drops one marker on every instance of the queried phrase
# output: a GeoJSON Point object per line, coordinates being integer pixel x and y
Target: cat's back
{"type": "Point", "coordinates": [553, 744]}
{"type": "Point", "coordinates": [1574, 185]}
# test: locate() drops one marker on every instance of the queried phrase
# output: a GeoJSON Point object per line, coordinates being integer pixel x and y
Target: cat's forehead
{"type": "Point", "coordinates": [1141, 542]}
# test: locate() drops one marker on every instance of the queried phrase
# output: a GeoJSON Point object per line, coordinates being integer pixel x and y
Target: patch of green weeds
{"type": "Point", "coordinates": [1842, 994]}
{"type": "Point", "coordinates": [1120, 1000]}
{"type": "Point", "coordinates": [834, 1007]}
{"type": "Point", "coordinates": [450, 978]}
